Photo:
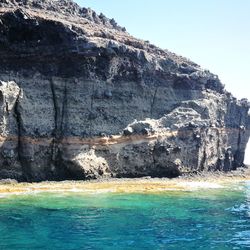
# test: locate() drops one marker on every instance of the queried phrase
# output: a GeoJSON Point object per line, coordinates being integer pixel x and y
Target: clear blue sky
{"type": "Point", "coordinates": [212, 33]}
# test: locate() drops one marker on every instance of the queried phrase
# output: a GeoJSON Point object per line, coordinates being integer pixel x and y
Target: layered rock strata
{"type": "Point", "coordinates": [82, 99]}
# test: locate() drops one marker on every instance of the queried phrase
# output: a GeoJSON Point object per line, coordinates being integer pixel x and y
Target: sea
{"type": "Point", "coordinates": [207, 218]}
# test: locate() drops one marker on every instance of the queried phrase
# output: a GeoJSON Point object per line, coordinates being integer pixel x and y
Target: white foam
{"type": "Point", "coordinates": [200, 185]}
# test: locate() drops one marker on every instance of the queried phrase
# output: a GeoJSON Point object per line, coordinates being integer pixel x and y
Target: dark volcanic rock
{"type": "Point", "coordinates": [81, 99]}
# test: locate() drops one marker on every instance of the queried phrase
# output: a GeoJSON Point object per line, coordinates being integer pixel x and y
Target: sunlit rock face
{"type": "Point", "coordinates": [82, 99]}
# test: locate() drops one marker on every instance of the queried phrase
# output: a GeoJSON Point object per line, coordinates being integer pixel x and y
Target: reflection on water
{"type": "Point", "coordinates": [205, 219]}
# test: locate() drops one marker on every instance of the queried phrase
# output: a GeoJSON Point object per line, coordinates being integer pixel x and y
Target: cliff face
{"type": "Point", "coordinates": [80, 98]}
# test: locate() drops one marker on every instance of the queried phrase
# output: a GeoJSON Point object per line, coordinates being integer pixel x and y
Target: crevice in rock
{"type": "Point", "coordinates": [55, 106]}
{"type": "Point", "coordinates": [54, 144]}
{"type": "Point", "coordinates": [237, 156]}
{"type": "Point", "coordinates": [153, 157]}
{"type": "Point", "coordinates": [25, 171]}
{"type": "Point", "coordinates": [239, 135]}
{"type": "Point", "coordinates": [64, 111]}
{"type": "Point", "coordinates": [60, 114]}
{"type": "Point", "coordinates": [203, 160]}
{"type": "Point", "coordinates": [153, 102]}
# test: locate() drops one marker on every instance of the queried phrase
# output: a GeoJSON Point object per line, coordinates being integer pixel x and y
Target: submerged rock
{"type": "Point", "coordinates": [82, 99]}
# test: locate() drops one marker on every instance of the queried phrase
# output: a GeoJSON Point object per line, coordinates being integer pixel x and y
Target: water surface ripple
{"type": "Point", "coordinates": [205, 219]}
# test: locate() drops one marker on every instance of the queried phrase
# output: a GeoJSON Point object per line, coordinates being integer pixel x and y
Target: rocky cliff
{"type": "Point", "coordinates": [80, 98]}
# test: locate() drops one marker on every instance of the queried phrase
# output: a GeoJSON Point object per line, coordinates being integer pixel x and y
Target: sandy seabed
{"type": "Point", "coordinates": [140, 185]}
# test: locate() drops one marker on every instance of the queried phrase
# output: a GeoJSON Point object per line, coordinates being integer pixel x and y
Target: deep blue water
{"type": "Point", "coordinates": [205, 219]}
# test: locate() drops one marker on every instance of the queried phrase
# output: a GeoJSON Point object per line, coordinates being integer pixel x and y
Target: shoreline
{"type": "Point", "coordinates": [138, 185]}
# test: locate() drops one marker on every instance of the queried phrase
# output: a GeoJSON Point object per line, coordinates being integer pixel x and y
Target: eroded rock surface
{"type": "Point", "coordinates": [82, 99]}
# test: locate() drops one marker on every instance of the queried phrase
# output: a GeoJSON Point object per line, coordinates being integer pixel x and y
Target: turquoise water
{"type": "Point", "coordinates": [205, 219]}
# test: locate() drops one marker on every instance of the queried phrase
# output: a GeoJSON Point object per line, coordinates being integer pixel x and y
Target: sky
{"type": "Point", "coordinates": [213, 33]}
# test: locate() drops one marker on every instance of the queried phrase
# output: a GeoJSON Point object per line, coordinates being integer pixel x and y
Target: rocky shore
{"type": "Point", "coordinates": [196, 182]}
{"type": "Point", "coordinates": [81, 99]}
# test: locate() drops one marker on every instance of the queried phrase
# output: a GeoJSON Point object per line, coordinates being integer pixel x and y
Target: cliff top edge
{"type": "Point", "coordinates": [63, 7]}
